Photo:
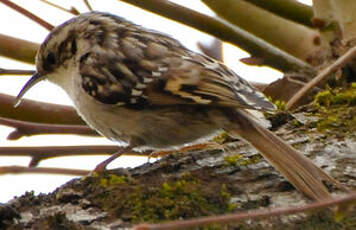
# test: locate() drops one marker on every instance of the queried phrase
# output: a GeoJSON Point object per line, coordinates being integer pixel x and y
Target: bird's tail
{"type": "Point", "coordinates": [298, 169]}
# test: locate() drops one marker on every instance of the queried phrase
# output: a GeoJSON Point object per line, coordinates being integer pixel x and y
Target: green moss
{"type": "Point", "coordinates": [297, 123]}
{"type": "Point", "coordinates": [232, 160]}
{"type": "Point", "coordinates": [238, 159]}
{"type": "Point", "coordinates": [220, 138]}
{"type": "Point", "coordinates": [138, 202]}
{"type": "Point", "coordinates": [279, 117]}
{"type": "Point", "coordinates": [336, 110]}
{"type": "Point", "coordinates": [322, 99]}
{"type": "Point", "coordinates": [227, 196]}
{"type": "Point", "coordinates": [174, 200]}
{"type": "Point", "coordinates": [112, 180]}
{"type": "Point", "coordinates": [331, 97]}
{"type": "Point", "coordinates": [281, 105]}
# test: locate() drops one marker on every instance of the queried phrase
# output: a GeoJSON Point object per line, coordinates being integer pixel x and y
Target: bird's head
{"type": "Point", "coordinates": [66, 44]}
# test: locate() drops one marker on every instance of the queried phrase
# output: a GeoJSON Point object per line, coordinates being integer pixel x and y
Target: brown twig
{"type": "Point", "coordinates": [45, 152]}
{"type": "Point", "coordinates": [16, 72]}
{"type": "Point", "coordinates": [42, 170]}
{"type": "Point", "coordinates": [23, 128]}
{"type": "Point", "coordinates": [86, 2]}
{"type": "Point", "coordinates": [39, 112]}
{"type": "Point", "coordinates": [341, 61]}
{"type": "Point", "coordinates": [72, 10]}
{"type": "Point", "coordinates": [271, 55]}
{"type": "Point", "coordinates": [250, 215]}
{"type": "Point", "coordinates": [18, 49]}
{"type": "Point", "coordinates": [28, 14]}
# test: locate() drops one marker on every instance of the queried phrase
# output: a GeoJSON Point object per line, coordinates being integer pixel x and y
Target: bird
{"type": "Point", "coordinates": [144, 90]}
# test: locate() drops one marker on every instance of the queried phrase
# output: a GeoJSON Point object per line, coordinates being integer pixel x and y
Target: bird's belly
{"type": "Point", "coordinates": [159, 128]}
{"type": "Point", "coordinates": [167, 128]}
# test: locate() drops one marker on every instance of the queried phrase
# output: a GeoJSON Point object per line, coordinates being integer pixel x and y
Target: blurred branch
{"type": "Point", "coordinates": [285, 88]}
{"type": "Point", "coordinates": [214, 49]}
{"type": "Point", "coordinates": [341, 61]}
{"type": "Point", "coordinates": [290, 9]}
{"type": "Point", "coordinates": [344, 15]}
{"type": "Point", "coordinates": [86, 2]}
{"type": "Point", "coordinates": [72, 10]}
{"type": "Point", "coordinates": [30, 128]}
{"type": "Point", "coordinates": [18, 49]}
{"type": "Point", "coordinates": [28, 14]}
{"type": "Point", "coordinates": [39, 112]}
{"type": "Point", "coordinates": [46, 152]}
{"type": "Point", "coordinates": [259, 85]}
{"type": "Point", "coordinates": [296, 39]}
{"type": "Point", "coordinates": [16, 72]}
{"type": "Point", "coordinates": [251, 215]}
{"type": "Point", "coordinates": [271, 55]}
{"type": "Point", "coordinates": [42, 170]}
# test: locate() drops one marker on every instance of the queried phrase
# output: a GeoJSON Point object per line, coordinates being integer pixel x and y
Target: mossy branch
{"type": "Point", "coordinates": [289, 9]}
{"type": "Point", "coordinates": [255, 215]}
{"type": "Point", "coordinates": [271, 55]}
{"type": "Point", "coordinates": [86, 2]}
{"type": "Point", "coordinates": [343, 60]}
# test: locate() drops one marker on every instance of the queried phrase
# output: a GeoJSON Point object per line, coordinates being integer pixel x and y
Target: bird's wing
{"type": "Point", "coordinates": [202, 80]}
{"type": "Point", "coordinates": [148, 68]}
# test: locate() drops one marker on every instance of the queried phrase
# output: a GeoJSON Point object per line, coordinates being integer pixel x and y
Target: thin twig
{"type": "Point", "coordinates": [42, 170]}
{"type": "Point", "coordinates": [45, 152]}
{"type": "Point", "coordinates": [341, 61]}
{"type": "Point", "coordinates": [86, 2]}
{"type": "Point", "coordinates": [72, 10]}
{"type": "Point", "coordinates": [290, 9]}
{"type": "Point", "coordinates": [28, 14]}
{"type": "Point", "coordinates": [23, 128]}
{"type": "Point", "coordinates": [16, 72]}
{"type": "Point", "coordinates": [250, 215]}
{"type": "Point", "coordinates": [271, 55]}
{"type": "Point", "coordinates": [35, 111]}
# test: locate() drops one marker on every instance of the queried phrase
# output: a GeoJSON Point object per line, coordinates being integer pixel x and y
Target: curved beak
{"type": "Point", "coordinates": [33, 81]}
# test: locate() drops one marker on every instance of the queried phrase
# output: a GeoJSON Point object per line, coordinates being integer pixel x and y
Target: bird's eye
{"type": "Point", "coordinates": [49, 62]}
{"type": "Point", "coordinates": [51, 59]}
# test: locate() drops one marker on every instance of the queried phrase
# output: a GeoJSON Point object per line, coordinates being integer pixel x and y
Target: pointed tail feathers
{"type": "Point", "coordinates": [298, 169]}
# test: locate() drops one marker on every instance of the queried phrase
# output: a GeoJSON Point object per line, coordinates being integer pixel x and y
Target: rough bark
{"type": "Point", "coordinates": [204, 182]}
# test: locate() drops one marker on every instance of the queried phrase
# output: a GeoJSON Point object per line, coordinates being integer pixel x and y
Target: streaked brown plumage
{"type": "Point", "coordinates": [145, 89]}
